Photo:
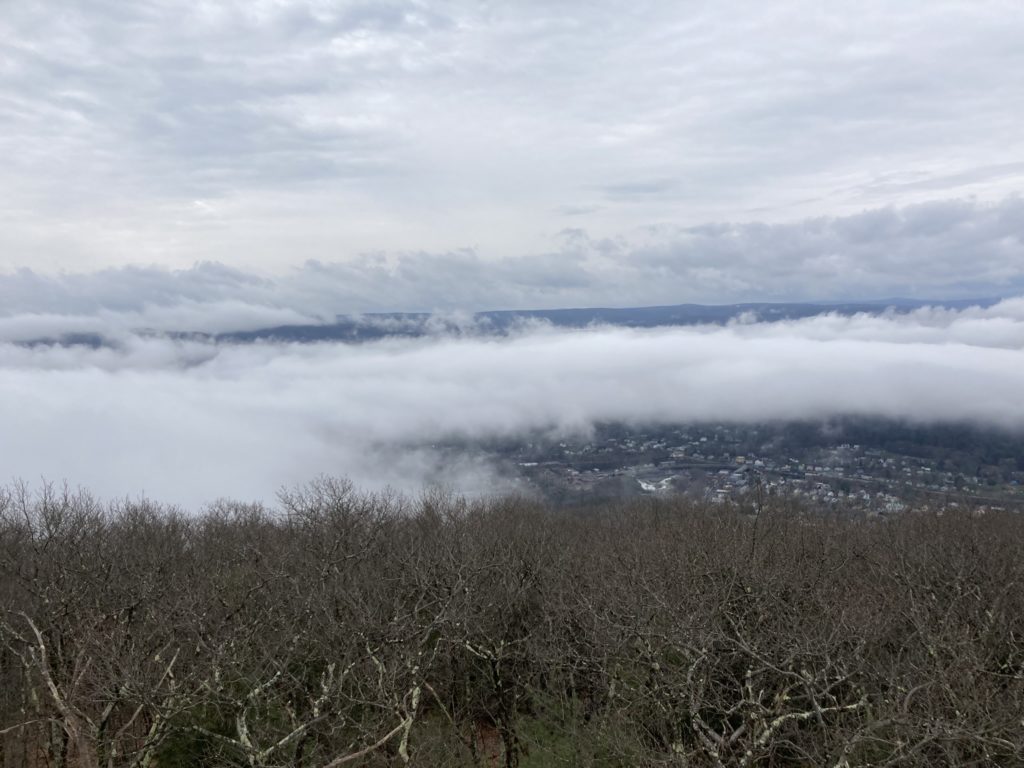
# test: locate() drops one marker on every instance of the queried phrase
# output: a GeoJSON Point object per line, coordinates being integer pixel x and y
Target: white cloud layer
{"type": "Point", "coordinates": [188, 421]}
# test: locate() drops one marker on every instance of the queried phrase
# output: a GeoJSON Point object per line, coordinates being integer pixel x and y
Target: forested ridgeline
{"type": "Point", "coordinates": [371, 630]}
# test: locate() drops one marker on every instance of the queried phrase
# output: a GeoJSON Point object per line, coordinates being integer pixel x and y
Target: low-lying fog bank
{"type": "Point", "coordinates": [188, 420]}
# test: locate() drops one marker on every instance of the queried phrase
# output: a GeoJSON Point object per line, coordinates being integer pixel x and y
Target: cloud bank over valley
{"type": "Point", "coordinates": [188, 419]}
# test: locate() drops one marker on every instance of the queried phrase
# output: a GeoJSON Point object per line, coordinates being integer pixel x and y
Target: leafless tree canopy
{"type": "Point", "coordinates": [372, 630]}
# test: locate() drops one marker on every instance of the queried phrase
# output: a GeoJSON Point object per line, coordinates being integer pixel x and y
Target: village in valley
{"type": "Point", "coordinates": [889, 468]}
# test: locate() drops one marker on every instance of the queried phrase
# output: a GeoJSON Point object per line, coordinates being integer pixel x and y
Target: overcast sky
{"type": "Point", "coordinates": [411, 155]}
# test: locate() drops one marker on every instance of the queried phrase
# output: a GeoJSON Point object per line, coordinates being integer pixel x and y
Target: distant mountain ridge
{"type": "Point", "coordinates": [368, 327]}
{"type": "Point", "coordinates": [355, 329]}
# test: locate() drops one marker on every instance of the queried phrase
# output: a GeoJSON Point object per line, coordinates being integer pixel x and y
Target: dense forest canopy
{"type": "Point", "coordinates": [341, 628]}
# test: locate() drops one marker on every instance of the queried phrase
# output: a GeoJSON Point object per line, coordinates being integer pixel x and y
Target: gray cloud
{"type": "Point", "coordinates": [640, 190]}
{"type": "Point", "coordinates": [939, 249]}
{"type": "Point", "coordinates": [188, 421]}
{"type": "Point", "coordinates": [263, 133]}
{"type": "Point", "coordinates": [948, 181]}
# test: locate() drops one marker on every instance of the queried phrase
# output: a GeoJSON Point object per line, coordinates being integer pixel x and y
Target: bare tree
{"type": "Point", "coordinates": [342, 628]}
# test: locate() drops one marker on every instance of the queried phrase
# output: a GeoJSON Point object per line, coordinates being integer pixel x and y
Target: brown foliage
{"type": "Point", "coordinates": [344, 628]}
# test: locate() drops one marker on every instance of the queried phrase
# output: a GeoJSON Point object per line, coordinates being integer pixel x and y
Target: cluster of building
{"type": "Point", "coordinates": [720, 463]}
